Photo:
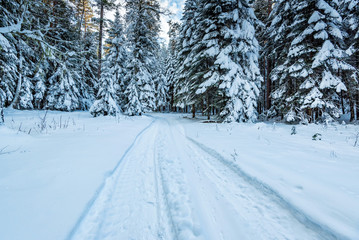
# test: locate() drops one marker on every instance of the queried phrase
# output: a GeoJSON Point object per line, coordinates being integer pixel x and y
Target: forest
{"type": "Point", "coordinates": [295, 61]}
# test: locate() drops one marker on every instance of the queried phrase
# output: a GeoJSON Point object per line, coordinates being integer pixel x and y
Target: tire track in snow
{"type": "Point", "coordinates": [152, 193]}
{"type": "Point", "coordinates": [324, 231]}
{"type": "Point", "coordinates": [158, 175]}
{"type": "Point", "coordinates": [174, 187]}
{"type": "Point", "coordinates": [104, 193]}
{"type": "Point", "coordinates": [225, 209]}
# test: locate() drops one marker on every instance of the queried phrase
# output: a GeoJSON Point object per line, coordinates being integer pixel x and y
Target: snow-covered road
{"type": "Point", "coordinates": [168, 187]}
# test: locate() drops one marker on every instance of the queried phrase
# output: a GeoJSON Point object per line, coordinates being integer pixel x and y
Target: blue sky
{"type": "Point", "coordinates": [175, 6]}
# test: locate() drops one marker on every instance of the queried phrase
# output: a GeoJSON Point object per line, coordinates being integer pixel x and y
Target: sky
{"type": "Point", "coordinates": [174, 6]}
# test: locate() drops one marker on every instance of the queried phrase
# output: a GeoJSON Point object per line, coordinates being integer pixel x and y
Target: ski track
{"type": "Point", "coordinates": [167, 186]}
{"type": "Point", "coordinates": [323, 231]}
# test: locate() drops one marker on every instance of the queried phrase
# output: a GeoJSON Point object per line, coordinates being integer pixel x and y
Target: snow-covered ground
{"type": "Point", "coordinates": [162, 176]}
{"type": "Point", "coordinates": [319, 178]}
{"type": "Point", "coordinates": [48, 177]}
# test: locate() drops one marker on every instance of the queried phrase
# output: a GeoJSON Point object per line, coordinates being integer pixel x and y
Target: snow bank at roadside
{"type": "Point", "coordinates": [49, 173]}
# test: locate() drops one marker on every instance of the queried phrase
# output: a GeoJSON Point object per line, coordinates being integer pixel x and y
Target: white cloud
{"type": "Point", "coordinates": [175, 7]}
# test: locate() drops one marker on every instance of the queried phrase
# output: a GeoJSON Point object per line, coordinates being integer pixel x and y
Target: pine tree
{"type": "Point", "coordinates": [161, 84]}
{"type": "Point", "coordinates": [263, 9]}
{"type": "Point", "coordinates": [63, 76]}
{"type": "Point", "coordinates": [105, 103]}
{"type": "Point", "coordinates": [10, 21]}
{"type": "Point", "coordinates": [45, 59]}
{"type": "Point", "coordinates": [86, 50]}
{"type": "Point", "coordinates": [350, 13]}
{"type": "Point", "coordinates": [237, 62]}
{"type": "Point", "coordinates": [185, 44]}
{"type": "Point", "coordinates": [117, 58]}
{"type": "Point", "coordinates": [222, 65]}
{"type": "Point", "coordinates": [278, 38]}
{"type": "Point", "coordinates": [103, 5]}
{"type": "Point", "coordinates": [309, 78]}
{"type": "Point", "coordinates": [22, 43]}
{"type": "Point", "coordinates": [142, 19]}
{"type": "Point", "coordinates": [87, 69]}
{"type": "Point", "coordinates": [63, 94]}
{"type": "Point", "coordinates": [171, 62]}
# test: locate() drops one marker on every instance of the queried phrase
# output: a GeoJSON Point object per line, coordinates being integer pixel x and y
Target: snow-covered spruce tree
{"type": "Point", "coordinates": [350, 13]}
{"type": "Point", "coordinates": [226, 59]}
{"type": "Point", "coordinates": [102, 5]}
{"type": "Point", "coordinates": [262, 9]}
{"type": "Point", "coordinates": [86, 68]}
{"type": "Point", "coordinates": [85, 46]}
{"type": "Point", "coordinates": [238, 61]}
{"type": "Point", "coordinates": [63, 70]}
{"type": "Point", "coordinates": [8, 56]}
{"type": "Point", "coordinates": [31, 51]}
{"type": "Point", "coordinates": [63, 93]}
{"type": "Point", "coordinates": [10, 21]}
{"type": "Point", "coordinates": [23, 46]}
{"type": "Point", "coordinates": [171, 61]}
{"type": "Point", "coordinates": [39, 38]}
{"type": "Point", "coordinates": [278, 38]}
{"type": "Point", "coordinates": [113, 71]}
{"type": "Point", "coordinates": [23, 93]}
{"type": "Point", "coordinates": [142, 19]}
{"type": "Point", "coordinates": [161, 83]}
{"type": "Point", "coordinates": [116, 58]}
{"type": "Point", "coordinates": [185, 42]}
{"type": "Point", "coordinates": [105, 103]}
{"type": "Point", "coordinates": [310, 76]}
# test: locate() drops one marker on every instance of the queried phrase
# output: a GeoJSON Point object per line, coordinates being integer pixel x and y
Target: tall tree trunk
{"type": "Point", "coordinates": [172, 101]}
{"type": "Point", "coordinates": [342, 102]}
{"type": "Point", "coordinates": [263, 66]}
{"type": "Point", "coordinates": [208, 108]}
{"type": "Point", "coordinates": [2, 120]}
{"type": "Point", "coordinates": [193, 111]}
{"type": "Point", "coordinates": [202, 107]}
{"type": "Point", "coordinates": [100, 41]}
{"type": "Point", "coordinates": [352, 110]}
{"type": "Point", "coordinates": [268, 84]}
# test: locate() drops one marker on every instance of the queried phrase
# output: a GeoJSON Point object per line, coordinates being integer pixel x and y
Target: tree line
{"type": "Point", "coordinates": [240, 60]}
{"type": "Point", "coordinates": [291, 60]}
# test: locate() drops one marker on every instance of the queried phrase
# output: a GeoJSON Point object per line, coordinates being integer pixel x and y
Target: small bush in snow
{"type": "Point", "coordinates": [291, 117]}
{"type": "Point", "coordinates": [317, 137]}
